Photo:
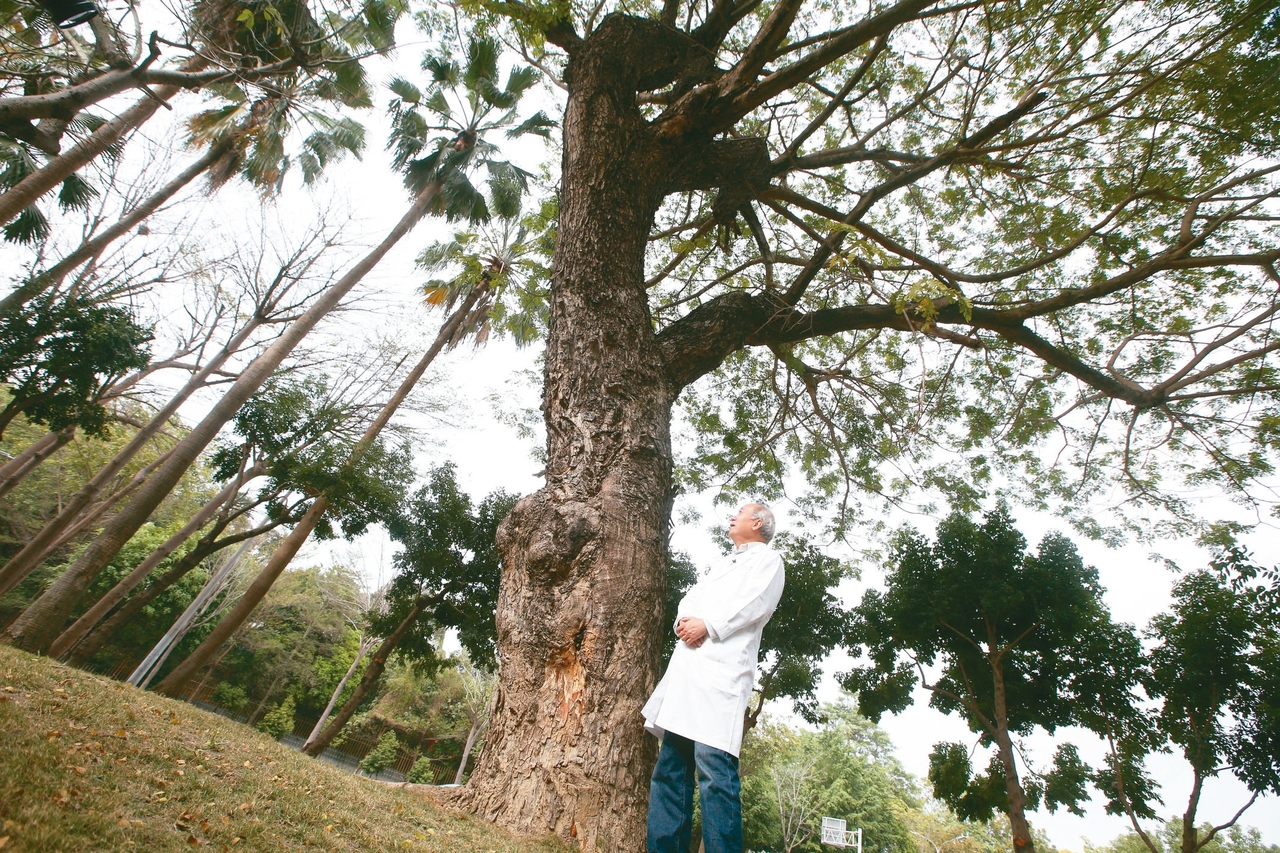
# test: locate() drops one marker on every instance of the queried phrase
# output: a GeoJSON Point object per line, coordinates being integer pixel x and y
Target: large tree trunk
{"type": "Point", "coordinates": [47, 616]}
{"type": "Point", "coordinates": [584, 558]}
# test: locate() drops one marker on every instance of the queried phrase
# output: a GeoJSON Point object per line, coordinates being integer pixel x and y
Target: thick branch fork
{"type": "Point", "coordinates": [697, 343]}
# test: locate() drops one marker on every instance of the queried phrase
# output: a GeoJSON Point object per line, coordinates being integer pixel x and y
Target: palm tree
{"type": "Point", "coordinates": [465, 99]}
{"type": "Point", "coordinates": [440, 183]}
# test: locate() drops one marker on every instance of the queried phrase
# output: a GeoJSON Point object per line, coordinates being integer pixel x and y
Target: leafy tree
{"type": "Point", "coordinates": [1022, 640]}
{"type": "Point", "coordinates": [278, 722]}
{"type": "Point", "coordinates": [266, 60]}
{"type": "Point", "coordinates": [1213, 673]}
{"type": "Point", "coordinates": [448, 578]}
{"type": "Point", "coordinates": [936, 829]}
{"type": "Point", "coordinates": [381, 756]}
{"type": "Point", "coordinates": [862, 255]}
{"type": "Point", "coordinates": [58, 356]}
{"type": "Point", "coordinates": [807, 626]}
{"type": "Point", "coordinates": [1236, 839]}
{"type": "Point", "coordinates": [791, 779]}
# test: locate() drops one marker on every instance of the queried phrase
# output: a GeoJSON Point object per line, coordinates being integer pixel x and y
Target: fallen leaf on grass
{"type": "Point", "coordinates": [4, 839]}
{"type": "Point", "coordinates": [193, 841]}
{"type": "Point", "coordinates": [80, 771]}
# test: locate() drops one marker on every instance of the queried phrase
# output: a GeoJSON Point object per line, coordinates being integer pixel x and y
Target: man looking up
{"type": "Point", "coordinates": [697, 709]}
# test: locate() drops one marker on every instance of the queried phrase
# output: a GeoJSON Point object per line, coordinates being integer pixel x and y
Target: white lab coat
{"type": "Point", "coordinates": [704, 693]}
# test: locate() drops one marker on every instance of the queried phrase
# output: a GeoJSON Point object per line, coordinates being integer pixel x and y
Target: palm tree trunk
{"type": "Point", "coordinates": [74, 517]}
{"type": "Point", "coordinates": [68, 638]}
{"type": "Point", "coordinates": [17, 468]}
{"type": "Point", "coordinates": [59, 168]}
{"type": "Point", "coordinates": [368, 681]}
{"type": "Point", "coordinates": [93, 247]}
{"type": "Point", "coordinates": [34, 552]}
{"type": "Point", "coordinates": [209, 544]}
{"type": "Point", "coordinates": [46, 617]}
{"type": "Point", "coordinates": [289, 548]}
{"type": "Point", "coordinates": [160, 652]}
{"type": "Point", "coordinates": [366, 643]}
{"type": "Point", "coordinates": [195, 691]}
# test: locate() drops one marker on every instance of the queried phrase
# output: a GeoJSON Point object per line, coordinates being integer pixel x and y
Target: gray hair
{"type": "Point", "coordinates": [768, 525]}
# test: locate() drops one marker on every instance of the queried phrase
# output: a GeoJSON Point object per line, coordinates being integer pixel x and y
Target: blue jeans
{"type": "Point", "coordinates": [671, 798]}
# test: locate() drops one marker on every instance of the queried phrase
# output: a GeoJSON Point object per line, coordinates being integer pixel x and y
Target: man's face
{"type": "Point", "coordinates": [744, 527]}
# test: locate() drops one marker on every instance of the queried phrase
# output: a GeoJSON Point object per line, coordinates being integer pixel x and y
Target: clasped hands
{"type": "Point", "coordinates": [692, 630]}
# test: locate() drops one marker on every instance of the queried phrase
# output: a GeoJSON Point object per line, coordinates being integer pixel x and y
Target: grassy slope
{"type": "Point", "coordinates": [89, 764]}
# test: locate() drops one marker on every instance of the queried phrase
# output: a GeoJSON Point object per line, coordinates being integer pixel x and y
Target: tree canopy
{"type": "Point", "coordinates": [1019, 641]}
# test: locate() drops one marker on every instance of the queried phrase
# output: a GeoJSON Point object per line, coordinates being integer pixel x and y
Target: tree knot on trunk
{"type": "Point", "coordinates": [552, 535]}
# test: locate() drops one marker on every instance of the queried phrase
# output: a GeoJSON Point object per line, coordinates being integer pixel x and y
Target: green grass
{"type": "Point", "coordinates": [89, 764]}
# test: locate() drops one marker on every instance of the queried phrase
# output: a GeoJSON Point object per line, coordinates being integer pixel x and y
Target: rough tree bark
{"type": "Point", "coordinates": [584, 558]}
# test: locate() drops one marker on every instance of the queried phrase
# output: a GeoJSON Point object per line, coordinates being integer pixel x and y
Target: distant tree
{"type": "Point", "coordinates": [793, 778]}
{"type": "Point", "coordinates": [381, 756]}
{"type": "Point", "coordinates": [1022, 640]}
{"type": "Point", "coordinates": [1167, 838]}
{"type": "Point", "coordinates": [936, 829]}
{"type": "Point", "coordinates": [278, 722]}
{"type": "Point", "coordinates": [448, 577]}
{"type": "Point", "coordinates": [808, 625]}
{"type": "Point", "coordinates": [1214, 672]}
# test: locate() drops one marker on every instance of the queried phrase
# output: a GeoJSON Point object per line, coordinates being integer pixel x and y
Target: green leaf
{"type": "Point", "coordinates": [76, 193]}
{"type": "Point", "coordinates": [405, 90]}
{"type": "Point", "coordinates": [29, 227]}
{"type": "Point", "coordinates": [539, 124]}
